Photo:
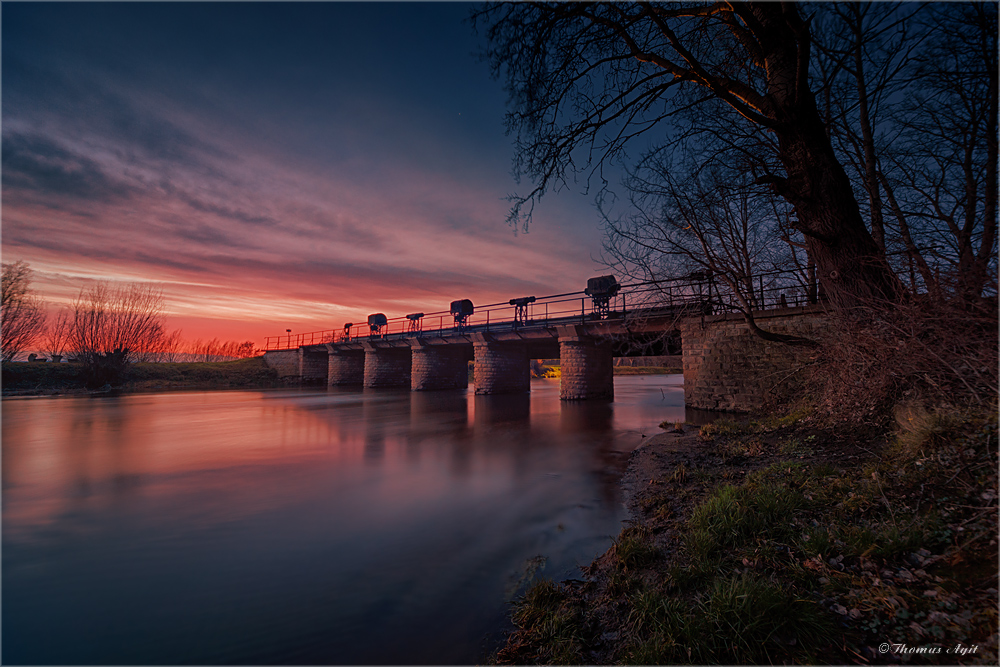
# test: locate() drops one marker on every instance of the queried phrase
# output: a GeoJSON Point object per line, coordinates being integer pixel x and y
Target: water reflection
{"type": "Point", "coordinates": [512, 409]}
{"type": "Point", "coordinates": [586, 416]}
{"type": "Point", "coordinates": [322, 526]}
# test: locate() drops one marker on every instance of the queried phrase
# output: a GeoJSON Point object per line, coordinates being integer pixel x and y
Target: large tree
{"type": "Point", "coordinates": [910, 96]}
{"type": "Point", "coordinates": [585, 80]}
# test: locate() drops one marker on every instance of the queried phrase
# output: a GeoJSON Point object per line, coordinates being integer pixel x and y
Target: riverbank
{"type": "Point", "coordinates": [787, 540]}
{"type": "Point", "coordinates": [49, 379]}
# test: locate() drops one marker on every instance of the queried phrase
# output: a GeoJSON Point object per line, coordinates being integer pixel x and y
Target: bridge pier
{"type": "Point", "coordinates": [587, 366]}
{"type": "Point", "coordinates": [501, 367]}
{"type": "Point", "coordinates": [312, 365]}
{"type": "Point", "coordinates": [386, 366]}
{"type": "Point", "coordinates": [438, 366]}
{"type": "Point", "coordinates": [344, 367]}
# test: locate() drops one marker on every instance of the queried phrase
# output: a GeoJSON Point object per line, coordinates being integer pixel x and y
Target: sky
{"type": "Point", "coordinates": [270, 166]}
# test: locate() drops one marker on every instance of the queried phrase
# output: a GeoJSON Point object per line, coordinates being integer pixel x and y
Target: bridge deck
{"type": "Point", "coordinates": [617, 324]}
{"type": "Point", "coordinates": [633, 305]}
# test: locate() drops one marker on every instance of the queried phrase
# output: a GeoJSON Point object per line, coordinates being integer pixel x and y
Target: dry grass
{"type": "Point", "coordinates": [919, 353]}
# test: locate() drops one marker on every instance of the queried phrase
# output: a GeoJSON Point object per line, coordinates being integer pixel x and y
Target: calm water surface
{"type": "Point", "coordinates": [293, 526]}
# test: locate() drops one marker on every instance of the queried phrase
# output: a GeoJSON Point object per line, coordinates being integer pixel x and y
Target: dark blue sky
{"type": "Point", "coordinates": [271, 164]}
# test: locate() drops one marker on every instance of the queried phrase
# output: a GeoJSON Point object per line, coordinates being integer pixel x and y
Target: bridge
{"type": "Point", "coordinates": [585, 330]}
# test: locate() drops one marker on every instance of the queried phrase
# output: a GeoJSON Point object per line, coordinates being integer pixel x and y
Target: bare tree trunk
{"type": "Point", "coordinates": [812, 284]}
{"type": "Point", "coordinates": [980, 273]}
{"type": "Point", "coordinates": [867, 136]}
{"type": "Point", "coordinates": [852, 267]}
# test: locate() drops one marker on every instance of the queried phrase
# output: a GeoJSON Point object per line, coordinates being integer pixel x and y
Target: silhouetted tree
{"type": "Point", "coordinates": [115, 325]}
{"type": "Point", "coordinates": [713, 227]}
{"type": "Point", "coordinates": [216, 350]}
{"type": "Point", "coordinates": [586, 79]}
{"type": "Point", "coordinates": [57, 335]}
{"type": "Point", "coordinates": [22, 315]}
{"type": "Point", "coordinates": [910, 94]}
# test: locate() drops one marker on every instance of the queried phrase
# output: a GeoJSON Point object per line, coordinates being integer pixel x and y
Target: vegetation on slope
{"type": "Point", "coordinates": [792, 541]}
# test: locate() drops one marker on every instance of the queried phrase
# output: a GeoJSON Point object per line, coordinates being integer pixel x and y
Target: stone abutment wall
{"type": "Point", "coordinates": [313, 366]}
{"type": "Point", "coordinates": [285, 362]}
{"type": "Point", "coordinates": [345, 367]}
{"type": "Point", "coordinates": [727, 367]}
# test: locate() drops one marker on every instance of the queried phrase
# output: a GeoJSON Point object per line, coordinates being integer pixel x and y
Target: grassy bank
{"type": "Point", "coordinates": [26, 379]}
{"type": "Point", "coordinates": [785, 540]}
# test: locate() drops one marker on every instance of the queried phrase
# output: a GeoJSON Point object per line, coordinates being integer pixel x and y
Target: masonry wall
{"type": "Point", "coordinates": [387, 367]}
{"type": "Point", "coordinates": [726, 367]}
{"type": "Point", "coordinates": [286, 362]}
{"type": "Point", "coordinates": [345, 368]}
{"type": "Point", "coordinates": [501, 368]}
{"type": "Point", "coordinates": [312, 366]}
{"type": "Point", "coordinates": [587, 370]}
{"type": "Point", "coordinates": [441, 367]}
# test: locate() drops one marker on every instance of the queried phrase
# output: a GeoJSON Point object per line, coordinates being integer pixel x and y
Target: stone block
{"type": "Point", "coordinates": [439, 367]}
{"type": "Point", "coordinates": [587, 369]}
{"type": "Point", "coordinates": [345, 367]}
{"type": "Point", "coordinates": [501, 367]}
{"type": "Point", "coordinates": [387, 367]}
{"type": "Point", "coordinates": [727, 367]}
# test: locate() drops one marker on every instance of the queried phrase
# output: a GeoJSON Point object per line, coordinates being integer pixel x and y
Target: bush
{"type": "Point", "coordinates": [114, 326]}
{"type": "Point", "coordinates": [936, 353]}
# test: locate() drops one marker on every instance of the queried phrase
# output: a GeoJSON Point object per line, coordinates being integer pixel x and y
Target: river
{"type": "Point", "coordinates": [302, 526]}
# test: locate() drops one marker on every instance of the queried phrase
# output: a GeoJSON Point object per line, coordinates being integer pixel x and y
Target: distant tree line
{"type": "Point", "coordinates": [106, 328]}
{"type": "Point", "coordinates": [216, 350]}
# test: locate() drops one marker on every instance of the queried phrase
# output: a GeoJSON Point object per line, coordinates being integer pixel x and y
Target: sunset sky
{"type": "Point", "coordinates": [271, 166]}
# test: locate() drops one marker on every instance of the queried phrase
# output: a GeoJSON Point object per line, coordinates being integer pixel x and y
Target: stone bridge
{"type": "Point", "coordinates": [726, 367]}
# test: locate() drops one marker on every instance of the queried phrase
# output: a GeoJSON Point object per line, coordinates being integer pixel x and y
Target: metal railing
{"type": "Point", "coordinates": [704, 294]}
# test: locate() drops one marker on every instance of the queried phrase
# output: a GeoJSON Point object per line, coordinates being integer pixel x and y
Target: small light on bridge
{"type": "Point", "coordinates": [461, 310]}
{"type": "Point", "coordinates": [416, 321]}
{"type": "Point", "coordinates": [521, 309]}
{"type": "Point", "coordinates": [601, 290]}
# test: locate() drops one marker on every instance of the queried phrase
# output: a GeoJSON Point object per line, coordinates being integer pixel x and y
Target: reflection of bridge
{"type": "Point", "coordinates": [585, 330]}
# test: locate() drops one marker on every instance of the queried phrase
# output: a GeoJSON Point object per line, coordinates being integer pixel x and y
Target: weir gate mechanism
{"type": "Point", "coordinates": [585, 330]}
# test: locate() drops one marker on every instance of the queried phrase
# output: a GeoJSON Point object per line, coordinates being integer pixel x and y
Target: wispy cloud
{"type": "Point", "coordinates": [265, 213]}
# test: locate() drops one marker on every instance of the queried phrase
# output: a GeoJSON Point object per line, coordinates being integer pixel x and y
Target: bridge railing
{"type": "Point", "coordinates": [703, 293]}
{"type": "Point", "coordinates": [766, 291]}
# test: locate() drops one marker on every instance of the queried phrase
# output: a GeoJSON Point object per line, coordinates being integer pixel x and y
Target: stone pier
{"type": "Point", "coordinates": [386, 366]}
{"type": "Point", "coordinates": [587, 366]}
{"type": "Point", "coordinates": [439, 366]}
{"type": "Point", "coordinates": [312, 365]}
{"type": "Point", "coordinates": [501, 367]}
{"type": "Point", "coordinates": [345, 367]}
